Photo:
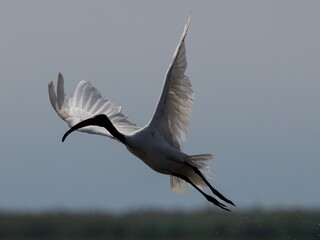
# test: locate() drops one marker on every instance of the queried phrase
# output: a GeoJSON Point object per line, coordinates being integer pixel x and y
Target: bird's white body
{"type": "Point", "coordinates": [162, 157]}
{"type": "Point", "coordinates": [159, 143]}
{"type": "Point", "coordinates": [156, 153]}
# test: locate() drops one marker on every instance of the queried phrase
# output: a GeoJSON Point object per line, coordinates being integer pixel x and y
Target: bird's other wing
{"type": "Point", "coordinates": [173, 112]}
{"type": "Point", "coordinates": [87, 102]}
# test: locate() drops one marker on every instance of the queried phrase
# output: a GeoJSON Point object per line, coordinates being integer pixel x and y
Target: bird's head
{"type": "Point", "coordinates": [100, 120]}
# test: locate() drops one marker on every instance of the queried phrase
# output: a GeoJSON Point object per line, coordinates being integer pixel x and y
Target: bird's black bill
{"type": "Point", "coordinates": [96, 120]}
{"type": "Point", "coordinates": [100, 120]}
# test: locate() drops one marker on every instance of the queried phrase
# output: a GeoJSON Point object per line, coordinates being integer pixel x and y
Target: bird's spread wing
{"type": "Point", "coordinates": [87, 102]}
{"type": "Point", "coordinates": [173, 112]}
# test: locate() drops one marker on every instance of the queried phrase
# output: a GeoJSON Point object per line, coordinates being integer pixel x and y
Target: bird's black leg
{"type": "Point", "coordinates": [208, 197]}
{"type": "Point", "coordinates": [214, 191]}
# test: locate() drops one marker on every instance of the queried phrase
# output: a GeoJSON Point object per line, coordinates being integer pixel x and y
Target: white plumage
{"type": "Point", "coordinates": [159, 143]}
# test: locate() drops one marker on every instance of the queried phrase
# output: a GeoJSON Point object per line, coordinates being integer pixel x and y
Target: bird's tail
{"type": "Point", "coordinates": [199, 161]}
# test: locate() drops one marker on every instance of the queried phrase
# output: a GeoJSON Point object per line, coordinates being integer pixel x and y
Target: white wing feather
{"type": "Point", "coordinates": [87, 102]}
{"type": "Point", "coordinates": [173, 112]}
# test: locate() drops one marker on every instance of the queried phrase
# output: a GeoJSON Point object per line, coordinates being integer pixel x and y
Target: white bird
{"type": "Point", "coordinates": [159, 143]}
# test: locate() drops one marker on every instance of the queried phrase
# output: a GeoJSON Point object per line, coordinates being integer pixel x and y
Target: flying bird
{"type": "Point", "coordinates": [159, 143]}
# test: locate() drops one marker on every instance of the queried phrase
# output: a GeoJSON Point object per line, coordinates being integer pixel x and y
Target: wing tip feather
{"type": "Point", "coordinates": [52, 95]}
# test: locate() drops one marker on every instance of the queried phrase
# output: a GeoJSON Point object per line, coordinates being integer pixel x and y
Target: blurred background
{"type": "Point", "coordinates": [255, 71]}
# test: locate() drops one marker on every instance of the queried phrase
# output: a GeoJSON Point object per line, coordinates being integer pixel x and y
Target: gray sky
{"type": "Point", "coordinates": [255, 70]}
